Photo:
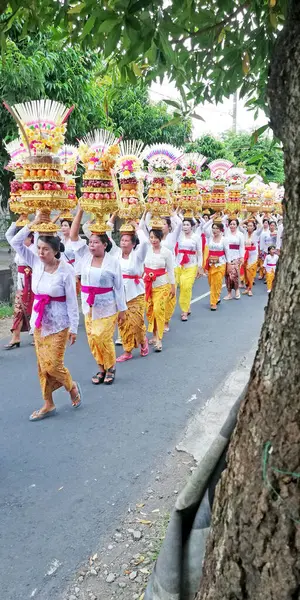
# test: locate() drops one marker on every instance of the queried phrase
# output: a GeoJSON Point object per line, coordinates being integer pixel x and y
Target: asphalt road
{"type": "Point", "coordinates": [66, 481]}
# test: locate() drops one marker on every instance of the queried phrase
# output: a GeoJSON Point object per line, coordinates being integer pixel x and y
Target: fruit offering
{"type": "Point", "coordinates": [162, 160]}
{"type": "Point", "coordinates": [190, 198]}
{"type": "Point", "coordinates": [128, 166]}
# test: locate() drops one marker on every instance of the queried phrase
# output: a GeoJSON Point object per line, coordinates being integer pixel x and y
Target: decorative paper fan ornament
{"type": "Point", "coordinates": [192, 161]}
{"type": "Point", "coordinates": [161, 157]}
{"type": "Point", "coordinates": [18, 153]}
{"type": "Point", "coordinates": [42, 125]}
{"type": "Point", "coordinates": [219, 168]}
{"type": "Point", "coordinates": [129, 166]}
{"type": "Point", "coordinates": [99, 151]}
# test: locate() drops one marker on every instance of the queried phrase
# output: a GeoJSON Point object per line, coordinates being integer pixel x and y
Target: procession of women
{"type": "Point", "coordinates": [125, 243]}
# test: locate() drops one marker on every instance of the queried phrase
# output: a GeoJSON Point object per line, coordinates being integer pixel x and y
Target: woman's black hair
{"type": "Point", "coordinates": [220, 226]}
{"type": "Point", "coordinates": [158, 233]}
{"type": "Point", "coordinates": [266, 220]}
{"type": "Point", "coordinates": [54, 242]}
{"type": "Point", "coordinates": [272, 221]}
{"type": "Point", "coordinates": [134, 239]}
{"type": "Point", "coordinates": [169, 223]}
{"type": "Point", "coordinates": [103, 237]}
{"type": "Point", "coordinates": [191, 221]}
{"type": "Point", "coordinates": [236, 220]}
{"type": "Point", "coordinates": [66, 221]}
{"type": "Point", "coordinates": [270, 248]}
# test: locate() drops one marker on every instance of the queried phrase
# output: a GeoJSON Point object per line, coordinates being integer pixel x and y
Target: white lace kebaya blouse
{"type": "Point", "coordinates": [190, 244]}
{"type": "Point", "coordinates": [109, 275]}
{"type": "Point", "coordinates": [134, 266]}
{"type": "Point", "coordinates": [57, 315]}
{"type": "Point", "coordinates": [18, 260]}
{"type": "Point", "coordinates": [162, 260]}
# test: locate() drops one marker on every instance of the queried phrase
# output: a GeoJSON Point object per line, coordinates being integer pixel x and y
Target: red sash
{"type": "Point", "coordinates": [248, 249]}
{"type": "Point", "coordinates": [42, 301]}
{"type": "Point", "coordinates": [136, 278]}
{"type": "Point", "coordinates": [234, 246]}
{"type": "Point", "coordinates": [203, 239]}
{"type": "Point", "coordinates": [92, 291]}
{"type": "Point", "coordinates": [71, 262]}
{"type": "Point", "coordinates": [185, 259]}
{"type": "Point", "coordinates": [151, 275]}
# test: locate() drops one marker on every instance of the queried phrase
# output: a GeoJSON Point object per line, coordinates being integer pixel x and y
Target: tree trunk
{"type": "Point", "coordinates": [253, 551]}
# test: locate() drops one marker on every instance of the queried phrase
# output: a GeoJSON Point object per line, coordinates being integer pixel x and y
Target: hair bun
{"type": "Point", "coordinates": [61, 247]}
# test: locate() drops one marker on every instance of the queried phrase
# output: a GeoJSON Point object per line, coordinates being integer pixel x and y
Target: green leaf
{"type": "Point", "coordinates": [108, 25]}
{"type": "Point", "coordinates": [172, 103]}
{"type": "Point", "coordinates": [174, 121]}
{"type": "Point", "coordinates": [258, 132]}
{"type": "Point", "coordinates": [254, 159]}
{"type": "Point", "coordinates": [76, 9]}
{"type": "Point", "coordinates": [137, 70]}
{"type": "Point", "coordinates": [195, 116]}
{"type": "Point", "coordinates": [88, 26]}
{"type": "Point", "coordinates": [112, 40]}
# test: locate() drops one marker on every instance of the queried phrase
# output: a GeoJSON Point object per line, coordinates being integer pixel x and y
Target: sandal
{"type": "Point", "coordinates": [78, 398]}
{"type": "Point", "coordinates": [110, 376]}
{"type": "Point", "coordinates": [37, 415]}
{"type": "Point", "coordinates": [152, 342]}
{"type": "Point", "coordinates": [184, 318]}
{"type": "Point", "coordinates": [145, 348]}
{"type": "Point", "coordinates": [100, 376]}
{"type": "Point", "coordinates": [158, 346]}
{"type": "Point", "coordinates": [124, 357]}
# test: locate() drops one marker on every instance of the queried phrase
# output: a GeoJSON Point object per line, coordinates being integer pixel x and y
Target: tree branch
{"type": "Point", "coordinates": [219, 25]}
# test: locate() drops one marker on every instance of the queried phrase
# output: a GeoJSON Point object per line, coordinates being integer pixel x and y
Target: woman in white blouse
{"type": "Point", "coordinates": [188, 265]}
{"type": "Point", "coordinates": [235, 248]}
{"type": "Point", "coordinates": [160, 285]}
{"type": "Point", "coordinates": [131, 254]}
{"type": "Point", "coordinates": [216, 262]}
{"type": "Point", "coordinates": [24, 295]}
{"type": "Point", "coordinates": [54, 318]}
{"type": "Point", "coordinates": [102, 295]}
{"type": "Point", "coordinates": [252, 236]}
{"type": "Point", "coordinates": [172, 227]}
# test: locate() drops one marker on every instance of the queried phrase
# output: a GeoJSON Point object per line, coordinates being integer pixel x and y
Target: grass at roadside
{"type": "Point", "coordinates": [6, 310]}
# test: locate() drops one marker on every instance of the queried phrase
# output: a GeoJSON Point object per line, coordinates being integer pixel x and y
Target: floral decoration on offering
{"type": "Point", "coordinates": [162, 160]}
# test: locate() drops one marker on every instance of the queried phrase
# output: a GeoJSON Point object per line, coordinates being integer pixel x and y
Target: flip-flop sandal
{"type": "Point", "coordinates": [110, 376]}
{"type": "Point", "coordinates": [40, 416]}
{"type": "Point", "coordinates": [100, 376]}
{"type": "Point", "coordinates": [74, 403]}
{"type": "Point", "coordinates": [158, 348]}
{"type": "Point", "coordinates": [145, 349]}
{"type": "Point", "coordinates": [184, 318]}
{"type": "Point", "coordinates": [124, 358]}
{"type": "Point", "coordinates": [152, 342]}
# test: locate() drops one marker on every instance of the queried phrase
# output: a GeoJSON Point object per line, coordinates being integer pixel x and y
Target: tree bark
{"type": "Point", "coordinates": [253, 551]}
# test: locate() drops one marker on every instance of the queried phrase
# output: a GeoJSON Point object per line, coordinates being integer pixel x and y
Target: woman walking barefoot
{"type": "Point", "coordinates": [216, 263]}
{"type": "Point", "coordinates": [189, 266]}
{"type": "Point", "coordinates": [54, 317]}
{"type": "Point", "coordinates": [235, 248]}
{"type": "Point", "coordinates": [160, 285]}
{"type": "Point", "coordinates": [102, 295]}
{"type": "Point", "coordinates": [24, 295]}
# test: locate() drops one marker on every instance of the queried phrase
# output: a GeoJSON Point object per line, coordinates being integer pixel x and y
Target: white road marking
{"type": "Point", "coordinates": [202, 296]}
{"type": "Point", "coordinates": [33, 593]}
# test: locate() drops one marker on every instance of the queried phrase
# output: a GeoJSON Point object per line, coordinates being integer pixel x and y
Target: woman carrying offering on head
{"type": "Point", "coordinates": [235, 247]}
{"type": "Point", "coordinates": [54, 318]}
{"type": "Point", "coordinates": [216, 262]}
{"type": "Point", "coordinates": [188, 265]}
{"type": "Point", "coordinates": [252, 236]}
{"type": "Point", "coordinates": [159, 283]}
{"type": "Point", "coordinates": [131, 254]}
{"type": "Point", "coordinates": [102, 295]}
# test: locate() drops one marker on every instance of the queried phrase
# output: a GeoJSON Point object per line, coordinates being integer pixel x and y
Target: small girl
{"type": "Point", "coordinates": [270, 267]}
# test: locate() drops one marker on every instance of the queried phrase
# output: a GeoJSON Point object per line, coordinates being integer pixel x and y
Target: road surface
{"type": "Point", "coordinates": [66, 481]}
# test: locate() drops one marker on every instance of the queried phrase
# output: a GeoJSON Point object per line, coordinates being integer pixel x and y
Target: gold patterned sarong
{"type": "Point", "coordinates": [156, 309]}
{"type": "Point", "coordinates": [100, 335]}
{"type": "Point", "coordinates": [133, 329]}
{"type": "Point", "coordinates": [170, 307]}
{"type": "Point", "coordinates": [250, 273]}
{"type": "Point", "coordinates": [50, 351]}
